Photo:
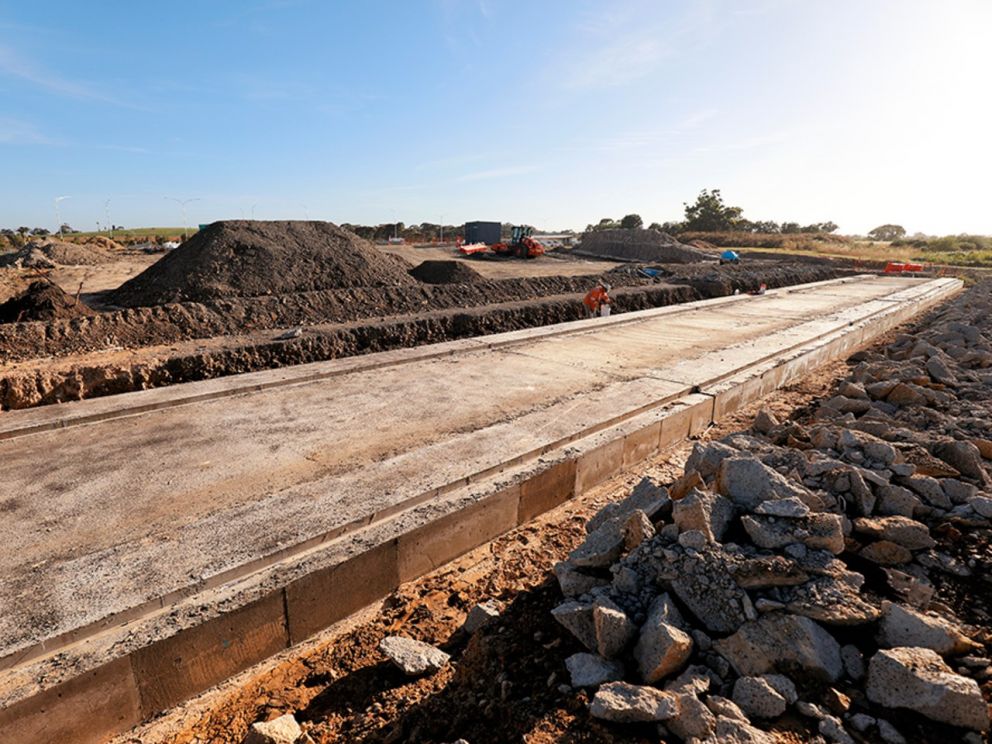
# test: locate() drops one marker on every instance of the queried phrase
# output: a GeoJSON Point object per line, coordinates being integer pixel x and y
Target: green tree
{"type": "Point", "coordinates": [632, 222]}
{"type": "Point", "coordinates": [887, 232]}
{"type": "Point", "coordinates": [710, 214]}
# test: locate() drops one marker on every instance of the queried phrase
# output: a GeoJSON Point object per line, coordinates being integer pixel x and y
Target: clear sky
{"type": "Point", "coordinates": [548, 112]}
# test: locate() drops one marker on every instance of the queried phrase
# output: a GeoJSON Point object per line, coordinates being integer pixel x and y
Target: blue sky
{"type": "Point", "coordinates": [554, 113]}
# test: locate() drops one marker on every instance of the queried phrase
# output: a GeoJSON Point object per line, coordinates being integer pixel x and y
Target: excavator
{"type": "Point", "coordinates": [521, 245]}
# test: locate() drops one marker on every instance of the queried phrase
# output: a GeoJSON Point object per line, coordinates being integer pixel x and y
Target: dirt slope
{"type": "Point", "coordinates": [647, 246]}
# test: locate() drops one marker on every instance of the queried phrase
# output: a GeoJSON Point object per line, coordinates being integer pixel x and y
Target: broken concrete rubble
{"type": "Point", "coordinates": [413, 658]}
{"type": "Point", "coordinates": [771, 534]}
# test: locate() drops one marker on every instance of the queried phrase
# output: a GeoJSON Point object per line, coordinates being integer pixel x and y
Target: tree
{"type": "Point", "coordinates": [632, 222]}
{"type": "Point", "coordinates": [790, 228]}
{"type": "Point", "coordinates": [22, 230]}
{"type": "Point", "coordinates": [39, 231]}
{"type": "Point", "coordinates": [887, 232]}
{"type": "Point", "coordinates": [710, 214]}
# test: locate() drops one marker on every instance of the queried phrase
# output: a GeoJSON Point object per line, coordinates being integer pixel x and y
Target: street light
{"type": "Point", "coordinates": [253, 211]}
{"type": "Point", "coordinates": [109, 224]}
{"type": "Point", "coordinates": [441, 239]}
{"type": "Point", "coordinates": [182, 203]}
{"type": "Point", "coordinates": [58, 217]}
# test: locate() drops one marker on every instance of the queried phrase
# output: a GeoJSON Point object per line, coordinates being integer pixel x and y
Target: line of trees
{"type": "Point", "coordinates": [709, 213]}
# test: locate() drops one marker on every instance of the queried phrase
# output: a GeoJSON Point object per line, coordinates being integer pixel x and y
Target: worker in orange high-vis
{"type": "Point", "coordinates": [597, 300]}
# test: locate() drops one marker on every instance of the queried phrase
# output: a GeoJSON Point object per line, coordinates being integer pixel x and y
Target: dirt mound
{"type": "Point", "coordinates": [639, 245]}
{"type": "Point", "coordinates": [42, 301]}
{"type": "Point", "coordinates": [445, 272]}
{"type": "Point", "coordinates": [103, 243]}
{"type": "Point", "coordinates": [47, 254]}
{"type": "Point", "coordinates": [241, 258]}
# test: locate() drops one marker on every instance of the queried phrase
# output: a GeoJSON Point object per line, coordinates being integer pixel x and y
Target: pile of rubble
{"type": "Point", "coordinates": [792, 569]}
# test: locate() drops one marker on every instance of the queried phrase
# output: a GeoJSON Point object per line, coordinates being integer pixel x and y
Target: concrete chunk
{"type": "Point", "coordinates": [918, 679]}
{"type": "Point", "coordinates": [621, 702]}
{"type": "Point", "coordinates": [414, 658]}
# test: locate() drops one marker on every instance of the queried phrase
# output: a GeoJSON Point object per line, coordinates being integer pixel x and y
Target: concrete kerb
{"type": "Point", "coordinates": [158, 675]}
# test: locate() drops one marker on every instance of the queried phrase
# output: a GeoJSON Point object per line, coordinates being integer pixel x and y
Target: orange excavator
{"type": "Point", "coordinates": [521, 244]}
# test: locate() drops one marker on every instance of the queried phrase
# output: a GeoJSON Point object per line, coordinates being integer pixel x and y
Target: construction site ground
{"type": "Point", "coordinates": [344, 689]}
{"type": "Point", "coordinates": [251, 472]}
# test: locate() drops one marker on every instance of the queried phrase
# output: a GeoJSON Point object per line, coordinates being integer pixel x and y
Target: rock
{"type": "Point", "coordinates": [929, 490]}
{"type": "Point", "coordinates": [790, 507]}
{"type": "Point", "coordinates": [832, 728]}
{"type": "Point", "coordinates": [957, 491]}
{"type": "Point", "coordinates": [863, 497]}
{"type": "Point", "coordinates": [705, 458]}
{"type": "Point", "coordinates": [614, 630]}
{"type": "Point", "coordinates": [982, 506]}
{"type": "Point", "coordinates": [837, 701]}
{"type": "Point", "coordinates": [704, 585]}
{"type": "Point", "coordinates": [480, 615]}
{"type": "Point", "coordinates": [886, 553]}
{"type": "Point", "coordinates": [939, 371]}
{"type": "Point", "coordinates": [693, 539]}
{"type": "Point", "coordinates": [757, 698]}
{"type": "Point", "coordinates": [723, 707]}
{"type": "Point", "coordinates": [854, 662]}
{"type": "Point", "coordinates": [734, 731]}
{"type": "Point", "coordinates": [693, 721]}
{"type": "Point", "coordinates": [888, 733]}
{"type": "Point", "coordinates": [414, 658]}
{"type": "Point", "coordinates": [830, 600]}
{"type": "Point", "coordinates": [903, 626]}
{"type": "Point", "coordinates": [905, 395]}
{"type": "Point", "coordinates": [693, 681]}
{"type": "Point", "coordinates": [764, 422]}
{"type": "Point", "coordinates": [681, 486]}
{"type": "Point", "coordinates": [918, 679]}
{"type": "Point", "coordinates": [648, 496]}
{"type": "Point", "coordinates": [963, 457]}
{"type": "Point", "coordinates": [782, 642]}
{"type": "Point", "coordinates": [900, 530]}
{"type": "Point", "coordinates": [589, 670]}
{"type": "Point", "coordinates": [621, 702]}
{"type": "Point", "coordinates": [861, 722]}
{"type": "Point", "coordinates": [281, 730]}
{"type": "Point", "coordinates": [819, 530]}
{"type": "Point", "coordinates": [573, 582]}
{"type": "Point", "coordinates": [914, 590]}
{"type": "Point", "coordinates": [576, 618]}
{"type": "Point", "coordinates": [601, 547]}
{"type": "Point", "coordinates": [896, 500]}
{"type": "Point", "coordinates": [661, 649]}
{"type": "Point", "coordinates": [637, 529]}
{"type": "Point", "coordinates": [706, 512]}
{"type": "Point", "coordinates": [747, 482]}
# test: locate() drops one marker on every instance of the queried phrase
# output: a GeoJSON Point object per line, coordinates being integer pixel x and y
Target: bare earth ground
{"type": "Point", "coordinates": [551, 264]}
{"type": "Point", "coordinates": [504, 684]}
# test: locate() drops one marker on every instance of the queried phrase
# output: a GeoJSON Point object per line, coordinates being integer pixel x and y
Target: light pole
{"type": "Point", "coordinates": [58, 216]}
{"type": "Point", "coordinates": [253, 211]}
{"type": "Point", "coordinates": [441, 239]}
{"type": "Point", "coordinates": [306, 212]}
{"type": "Point", "coordinates": [182, 203]}
{"type": "Point", "coordinates": [109, 224]}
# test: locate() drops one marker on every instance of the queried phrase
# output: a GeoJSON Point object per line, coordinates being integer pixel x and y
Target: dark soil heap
{"type": "Point", "coordinates": [241, 258]}
{"type": "Point", "coordinates": [42, 301]}
{"type": "Point", "coordinates": [445, 272]}
{"type": "Point", "coordinates": [647, 246]}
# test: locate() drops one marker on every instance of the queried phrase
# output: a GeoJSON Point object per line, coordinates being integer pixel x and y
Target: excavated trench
{"type": "Point", "coordinates": [336, 324]}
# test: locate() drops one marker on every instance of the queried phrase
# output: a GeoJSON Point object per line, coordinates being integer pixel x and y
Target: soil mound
{"type": "Point", "coordinates": [247, 258]}
{"type": "Point", "coordinates": [103, 243]}
{"type": "Point", "coordinates": [445, 272]}
{"type": "Point", "coordinates": [51, 253]}
{"type": "Point", "coordinates": [42, 301]}
{"type": "Point", "coordinates": [639, 245]}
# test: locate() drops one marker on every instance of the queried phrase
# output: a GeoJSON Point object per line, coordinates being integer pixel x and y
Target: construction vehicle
{"type": "Point", "coordinates": [521, 244]}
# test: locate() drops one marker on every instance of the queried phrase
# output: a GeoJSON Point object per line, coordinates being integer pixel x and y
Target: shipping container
{"type": "Point", "coordinates": [482, 232]}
